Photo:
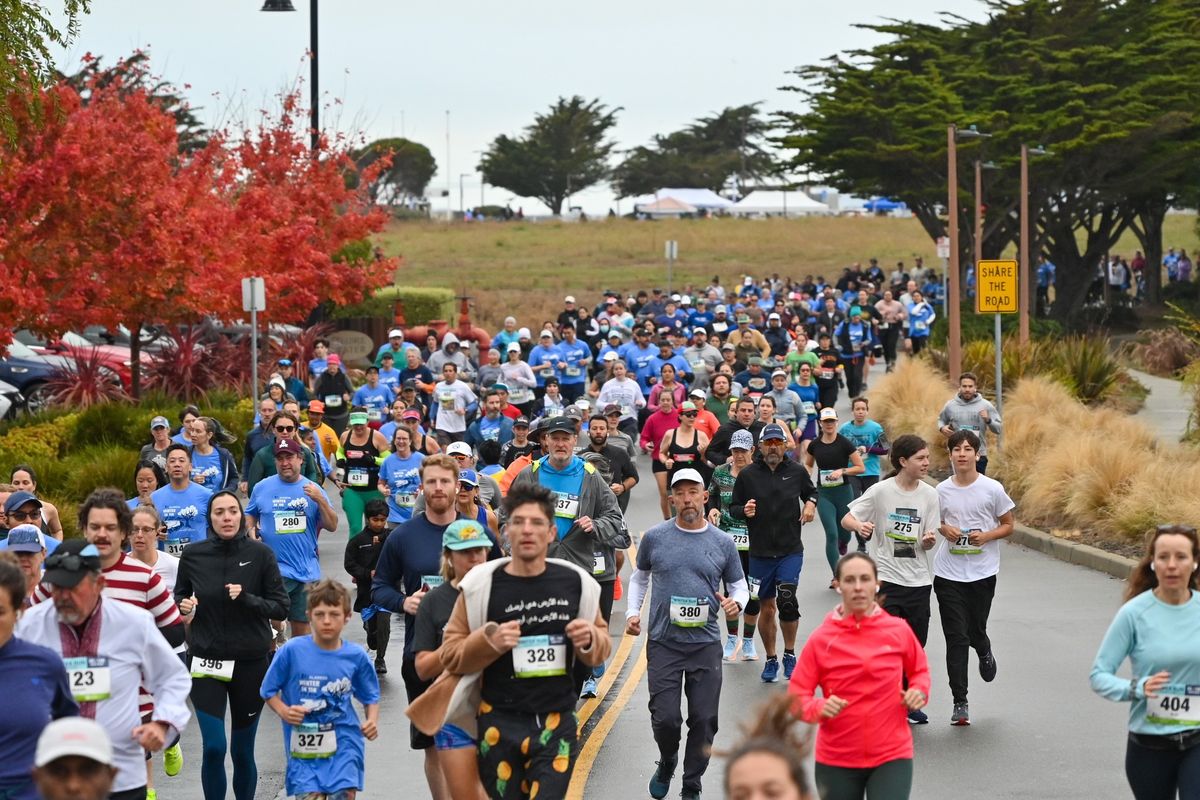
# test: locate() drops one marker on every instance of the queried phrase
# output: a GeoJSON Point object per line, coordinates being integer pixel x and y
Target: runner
{"type": "Point", "coordinates": [892, 316]}
{"type": "Point", "coordinates": [230, 586]}
{"type": "Point", "coordinates": [358, 457]}
{"type": "Point", "coordinates": [421, 442]}
{"type": "Point", "coordinates": [770, 760]}
{"type": "Point", "coordinates": [520, 443]}
{"type": "Point", "coordinates": [806, 388]}
{"type": "Point", "coordinates": [622, 391]}
{"type": "Point", "coordinates": [74, 759]}
{"type": "Point", "coordinates": [399, 477]}
{"type": "Point", "coordinates": [289, 512]}
{"type": "Point", "coordinates": [212, 465]}
{"type": "Point", "coordinates": [574, 358]}
{"type": "Point", "coordinates": [523, 658]}
{"type": "Point", "coordinates": [311, 684]}
{"type": "Point", "coordinates": [180, 504]}
{"type": "Point", "coordinates": [686, 559]}
{"type": "Point", "coordinates": [360, 559]}
{"type": "Point", "coordinates": [143, 545]}
{"type": "Point", "coordinates": [654, 433]}
{"type": "Point", "coordinates": [110, 649]}
{"type": "Point", "coordinates": [464, 547]}
{"type": "Point", "coordinates": [1158, 630]}
{"type": "Point", "coordinates": [830, 374]}
{"type": "Point", "coordinates": [789, 408]}
{"type": "Point", "coordinates": [706, 421]}
{"type": "Point", "coordinates": [743, 420]}
{"type": "Point", "coordinates": [775, 496]}
{"type": "Point", "coordinates": [976, 515]}
{"type": "Point", "coordinates": [830, 453]}
{"type": "Point", "coordinates": [156, 450]}
{"type": "Point", "coordinates": [27, 543]}
{"type": "Point", "coordinates": [618, 437]}
{"type": "Point", "coordinates": [625, 474]}
{"type": "Point", "coordinates": [452, 401]}
{"type": "Point", "coordinates": [24, 479]}
{"type": "Point", "coordinates": [866, 435]}
{"type": "Point", "coordinates": [720, 495]}
{"type": "Point", "coordinates": [333, 388]}
{"type": "Point", "coordinates": [920, 317]}
{"type": "Point", "coordinates": [258, 437]}
{"type": "Point", "coordinates": [373, 398]}
{"type": "Point", "coordinates": [492, 426]}
{"type": "Point", "coordinates": [904, 511]}
{"type": "Point", "coordinates": [469, 506]}
{"type": "Point", "coordinates": [683, 447]}
{"type": "Point", "coordinates": [147, 477]}
{"type": "Point", "coordinates": [858, 657]}
{"type": "Point", "coordinates": [970, 411]}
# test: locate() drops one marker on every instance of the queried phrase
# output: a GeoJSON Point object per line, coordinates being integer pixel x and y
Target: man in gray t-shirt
{"type": "Point", "coordinates": [687, 559]}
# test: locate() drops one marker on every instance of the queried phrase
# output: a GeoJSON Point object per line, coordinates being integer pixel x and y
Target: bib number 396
{"type": "Point", "coordinates": [312, 740]}
{"type": "Point", "coordinates": [213, 668]}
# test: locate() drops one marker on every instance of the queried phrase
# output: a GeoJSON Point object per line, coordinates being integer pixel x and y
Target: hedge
{"type": "Point", "coordinates": [421, 304]}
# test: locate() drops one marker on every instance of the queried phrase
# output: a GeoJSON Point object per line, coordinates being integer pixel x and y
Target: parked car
{"type": "Point", "coordinates": [117, 358]}
{"type": "Point", "coordinates": [153, 338]}
{"type": "Point", "coordinates": [11, 400]}
{"type": "Point", "coordinates": [31, 372]}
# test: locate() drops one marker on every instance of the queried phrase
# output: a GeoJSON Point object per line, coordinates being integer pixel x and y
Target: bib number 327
{"type": "Point", "coordinates": [312, 740]}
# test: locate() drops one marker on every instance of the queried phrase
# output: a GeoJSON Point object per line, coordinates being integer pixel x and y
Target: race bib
{"type": "Point", "coordinates": [553, 412]}
{"type": "Point", "coordinates": [571, 372]}
{"type": "Point", "coordinates": [689, 612]}
{"type": "Point", "coordinates": [684, 458]}
{"type": "Point", "coordinates": [920, 326]}
{"type": "Point", "coordinates": [826, 374]}
{"type": "Point", "coordinates": [626, 411]}
{"type": "Point", "coordinates": [357, 476]}
{"type": "Point", "coordinates": [827, 481]}
{"type": "Point", "coordinates": [406, 500]}
{"type": "Point", "coordinates": [741, 539]}
{"type": "Point", "coordinates": [598, 564]}
{"type": "Point", "coordinates": [174, 547]}
{"type": "Point", "coordinates": [753, 583]}
{"type": "Point", "coordinates": [375, 414]}
{"type": "Point", "coordinates": [333, 401]}
{"type": "Point", "coordinates": [213, 668]}
{"type": "Point", "coordinates": [540, 657]}
{"type": "Point", "coordinates": [810, 408]}
{"type": "Point", "coordinates": [566, 505]}
{"type": "Point", "coordinates": [311, 740]}
{"type": "Point", "coordinates": [963, 546]}
{"type": "Point", "coordinates": [446, 399]}
{"type": "Point", "coordinates": [883, 326]}
{"type": "Point", "coordinates": [90, 678]}
{"type": "Point", "coordinates": [288, 522]}
{"type": "Point", "coordinates": [547, 371]}
{"type": "Point", "coordinates": [432, 581]}
{"type": "Point", "coordinates": [1175, 705]}
{"type": "Point", "coordinates": [698, 365]}
{"type": "Point", "coordinates": [519, 395]}
{"type": "Point", "coordinates": [903, 529]}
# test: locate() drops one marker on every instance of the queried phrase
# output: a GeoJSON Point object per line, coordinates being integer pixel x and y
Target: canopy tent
{"type": "Point", "coordinates": [700, 199]}
{"type": "Point", "coordinates": [881, 205]}
{"type": "Point", "coordinates": [770, 203]}
{"type": "Point", "coordinates": [667, 207]}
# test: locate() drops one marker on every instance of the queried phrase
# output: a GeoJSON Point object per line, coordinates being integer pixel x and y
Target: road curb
{"type": "Point", "coordinates": [1073, 552]}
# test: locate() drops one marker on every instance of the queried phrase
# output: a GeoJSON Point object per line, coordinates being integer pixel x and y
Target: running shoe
{"type": "Point", "coordinates": [589, 688]}
{"type": "Point", "coordinates": [172, 760]}
{"type": "Point", "coordinates": [618, 592]}
{"type": "Point", "coordinates": [598, 670]}
{"type": "Point", "coordinates": [987, 667]}
{"type": "Point", "coordinates": [770, 673]}
{"type": "Point", "coordinates": [789, 664]}
{"type": "Point", "coordinates": [731, 643]}
{"type": "Point", "coordinates": [690, 794]}
{"type": "Point", "coordinates": [917, 717]}
{"type": "Point", "coordinates": [748, 651]}
{"type": "Point", "coordinates": [660, 781]}
{"type": "Point", "coordinates": [960, 716]}
{"type": "Point", "coordinates": [380, 666]}
{"type": "Point", "coordinates": [151, 794]}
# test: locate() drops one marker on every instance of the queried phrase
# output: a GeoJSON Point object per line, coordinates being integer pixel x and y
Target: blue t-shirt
{"type": "Point", "coordinates": [390, 378]}
{"type": "Point", "coordinates": [289, 522]}
{"type": "Point", "coordinates": [325, 682]}
{"type": "Point", "coordinates": [34, 684]}
{"type": "Point", "coordinates": [133, 503]}
{"type": "Point", "coordinates": [377, 401]}
{"type": "Point", "coordinates": [636, 358]}
{"type": "Point", "coordinates": [566, 486]}
{"type": "Point", "coordinates": [543, 361]}
{"type": "Point", "coordinates": [400, 475]}
{"type": "Point", "coordinates": [184, 513]}
{"type": "Point", "coordinates": [575, 356]}
{"type": "Point", "coordinates": [208, 466]}
{"type": "Point", "coordinates": [865, 435]}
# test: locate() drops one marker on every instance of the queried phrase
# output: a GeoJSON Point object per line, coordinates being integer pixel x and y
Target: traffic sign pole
{"type": "Point", "coordinates": [996, 292]}
{"type": "Point", "coordinates": [254, 299]}
{"type": "Point", "coordinates": [999, 381]}
{"type": "Point", "coordinates": [672, 253]}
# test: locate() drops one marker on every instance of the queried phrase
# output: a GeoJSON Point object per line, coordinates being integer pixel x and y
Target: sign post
{"type": "Point", "coordinates": [996, 293]}
{"type": "Point", "coordinates": [254, 300]}
{"type": "Point", "coordinates": [672, 253]}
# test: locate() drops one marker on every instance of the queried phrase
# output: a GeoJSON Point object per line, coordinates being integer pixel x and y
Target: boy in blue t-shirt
{"type": "Point", "coordinates": [310, 685]}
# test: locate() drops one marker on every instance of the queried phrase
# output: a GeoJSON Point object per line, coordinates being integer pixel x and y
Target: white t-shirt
{"type": "Point", "coordinates": [166, 567]}
{"type": "Point", "coordinates": [450, 397]}
{"type": "Point", "coordinates": [977, 507]}
{"type": "Point", "coordinates": [900, 518]}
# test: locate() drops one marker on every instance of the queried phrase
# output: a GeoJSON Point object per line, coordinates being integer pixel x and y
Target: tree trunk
{"type": "Point", "coordinates": [1150, 236]}
{"type": "Point", "coordinates": [135, 357]}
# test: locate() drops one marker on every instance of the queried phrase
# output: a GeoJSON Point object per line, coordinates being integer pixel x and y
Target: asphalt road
{"type": "Point", "coordinates": [1037, 732]}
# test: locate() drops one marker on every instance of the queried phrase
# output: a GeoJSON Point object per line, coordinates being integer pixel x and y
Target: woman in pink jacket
{"type": "Point", "coordinates": [859, 657]}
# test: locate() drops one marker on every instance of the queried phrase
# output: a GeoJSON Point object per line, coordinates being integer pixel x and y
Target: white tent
{"type": "Point", "coordinates": [767, 203]}
{"type": "Point", "coordinates": [702, 199]}
{"type": "Point", "coordinates": [667, 207]}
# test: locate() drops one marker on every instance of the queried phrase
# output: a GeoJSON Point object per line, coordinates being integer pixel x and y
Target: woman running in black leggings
{"type": "Point", "coordinates": [229, 584]}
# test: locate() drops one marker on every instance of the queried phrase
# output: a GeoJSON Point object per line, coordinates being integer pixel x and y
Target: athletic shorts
{"type": "Point", "coordinates": [768, 573]}
{"type": "Point", "coordinates": [452, 737]}
{"type": "Point", "coordinates": [297, 592]}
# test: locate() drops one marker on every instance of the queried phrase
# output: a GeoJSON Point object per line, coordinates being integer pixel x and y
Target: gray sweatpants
{"type": "Point", "coordinates": [673, 671]}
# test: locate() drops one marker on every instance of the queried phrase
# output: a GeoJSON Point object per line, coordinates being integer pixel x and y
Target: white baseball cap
{"type": "Point", "coordinates": [513, 347]}
{"type": "Point", "coordinates": [73, 736]}
{"type": "Point", "coordinates": [458, 449]}
{"type": "Point", "coordinates": [687, 475]}
{"type": "Point", "coordinates": [395, 332]}
{"type": "Point", "coordinates": [569, 298]}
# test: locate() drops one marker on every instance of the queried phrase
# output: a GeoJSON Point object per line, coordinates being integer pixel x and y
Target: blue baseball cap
{"type": "Point", "coordinates": [772, 431]}
{"type": "Point", "coordinates": [25, 539]}
{"type": "Point", "coordinates": [468, 476]}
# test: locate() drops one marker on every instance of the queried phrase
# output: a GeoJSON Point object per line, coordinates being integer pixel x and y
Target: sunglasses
{"type": "Point", "coordinates": [32, 516]}
{"type": "Point", "coordinates": [88, 558]}
{"type": "Point", "coordinates": [466, 487]}
{"type": "Point", "coordinates": [285, 428]}
{"type": "Point", "coordinates": [689, 414]}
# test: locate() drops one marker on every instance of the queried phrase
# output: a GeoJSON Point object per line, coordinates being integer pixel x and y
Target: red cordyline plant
{"type": "Point", "coordinates": [86, 382]}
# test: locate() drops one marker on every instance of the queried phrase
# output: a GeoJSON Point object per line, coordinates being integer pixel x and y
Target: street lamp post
{"type": "Point", "coordinates": [462, 203]}
{"type": "Point", "coordinates": [953, 306]}
{"type": "Point", "coordinates": [286, 5]}
{"type": "Point", "coordinates": [1026, 274]}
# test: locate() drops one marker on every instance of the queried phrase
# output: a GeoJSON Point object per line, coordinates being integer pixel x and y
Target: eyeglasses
{"type": "Point", "coordinates": [148, 529]}
{"type": "Point", "coordinates": [285, 428]}
{"type": "Point", "coordinates": [32, 516]}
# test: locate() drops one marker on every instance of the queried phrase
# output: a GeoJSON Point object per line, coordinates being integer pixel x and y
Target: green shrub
{"type": "Point", "coordinates": [421, 304]}
{"type": "Point", "coordinates": [1086, 366]}
{"type": "Point", "coordinates": [94, 467]}
{"type": "Point", "coordinates": [976, 327]}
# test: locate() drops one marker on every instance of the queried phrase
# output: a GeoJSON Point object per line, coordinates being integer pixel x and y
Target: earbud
{"type": "Point", "coordinates": [1152, 569]}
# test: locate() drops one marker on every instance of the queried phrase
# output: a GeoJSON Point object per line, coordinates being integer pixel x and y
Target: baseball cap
{"type": "Point", "coordinates": [611, 355]}
{"type": "Point", "coordinates": [18, 499]}
{"type": "Point", "coordinates": [521, 422]}
{"type": "Point", "coordinates": [686, 299]}
{"type": "Point", "coordinates": [358, 418]}
{"type": "Point", "coordinates": [458, 449]}
{"type": "Point", "coordinates": [73, 736]}
{"type": "Point", "coordinates": [755, 361]}
{"type": "Point", "coordinates": [386, 355]}
{"type": "Point", "coordinates": [688, 405]}
{"type": "Point", "coordinates": [611, 408]}
{"type": "Point", "coordinates": [159, 422]}
{"type": "Point", "coordinates": [773, 315]}
{"type": "Point", "coordinates": [741, 440]}
{"type": "Point", "coordinates": [564, 424]}
{"type": "Point", "coordinates": [779, 374]}
{"type": "Point", "coordinates": [500, 386]}
{"type": "Point", "coordinates": [728, 346]}
{"type": "Point", "coordinates": [288, 446]}
{"type": "Point", "coordinates": [697, 393]}
{"type": "Point", "coordinates": [409, 383]}
{"type": "Point", "coordinates": [513, 347]}
{"type": "Point", "coordinates": [284, 362]}
{"type": "Point", "coordinates": [687, 475]}
{"type": "Point", "coordinates": [25, 539]}
{"type": "Point", "coordinates": [614, 334]}
{"type": "Point", "coordinates": [73, 559]}
{"type": "Point", "coordinates": [468, 476]}
{"type": "Point", "coordinates": [334, 358]}
{"type": "Point", "coordinates": [545, 335]}
{"type": "Point", "coordinates": [772, 431]}
{"type": "Point", "coordinates": [720, 309]}
{"type": "Point", "coordinates": [465, 534]}
{"type": "Point", "coordinates": [395, 332]}
{"type": "Point", "coordinates": [316, 407]}
{"type": "Point", "coordinates": [569, 298]}
{"type": "Point", "coordinates": [828, 413]}
{"type": "Point", "coordinates": [523, 333]}
{"type": "Point", "coordinates": [700, 331]}
{"type": "Point", "coordinates": [410, 413]}
{"type": "Point", "coordinates": [675, 298]}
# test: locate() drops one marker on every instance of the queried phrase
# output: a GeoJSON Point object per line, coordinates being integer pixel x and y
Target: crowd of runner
{"type": "Point", "coordinates": [485, 492]}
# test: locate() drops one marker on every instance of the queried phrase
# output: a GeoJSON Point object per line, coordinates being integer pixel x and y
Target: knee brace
{"type": "Point", "coordinates": [785, 599]}
{"type": "Point", "coordinates": [752, 608]}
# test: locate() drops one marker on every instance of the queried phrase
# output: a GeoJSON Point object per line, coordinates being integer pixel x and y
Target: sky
{"type": "Point", "coordinates": [389, 68]}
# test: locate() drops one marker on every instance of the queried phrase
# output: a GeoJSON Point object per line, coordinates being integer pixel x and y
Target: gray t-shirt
{"type": "Point", "coordinates": [686, 569]}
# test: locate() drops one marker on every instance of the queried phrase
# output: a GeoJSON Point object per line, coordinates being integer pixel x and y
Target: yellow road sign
{"type": "Point", "coordinates": [996, 287]}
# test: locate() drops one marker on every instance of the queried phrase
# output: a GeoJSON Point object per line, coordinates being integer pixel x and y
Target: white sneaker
{"type": "Point", "coordinates": [748, 651]}
{"type": "Point", "coordinates": [731, 645]}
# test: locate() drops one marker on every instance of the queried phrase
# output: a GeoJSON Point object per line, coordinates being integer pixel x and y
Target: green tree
{"type": "Point", "coordinates": [564, 151]}
{"type": "Point", "coordinates": [705, 154]}
{"type": "Point", "coordinates": [26, 36]}
{"type": "Point", "coordinates": [1108, 87]}
{"type": "Point", "coordinates": [412, 167]}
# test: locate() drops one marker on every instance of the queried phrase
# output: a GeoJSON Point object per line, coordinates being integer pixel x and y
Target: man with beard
{"type": "Point", "coordinates": [110, 650]}
{"type": "Point", "coordinates": [743, 420]}
{"type": "Point", "coordinates": [624, 472]}
{"type": "Point", "coordinates": [687, 558]}
{"type": "Point", "coordinates": [409, 566]}
{"type": "Point", "coordinates": [775, 496]}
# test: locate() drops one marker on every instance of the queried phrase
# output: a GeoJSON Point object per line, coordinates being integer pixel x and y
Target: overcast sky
{"type": "Point", "coordinates": [395, 68]}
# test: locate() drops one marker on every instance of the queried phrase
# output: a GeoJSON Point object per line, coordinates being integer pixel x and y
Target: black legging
{"type": "Point", "coordinates": [891, 336]}
{"type": "Point", "coordinates": [209, 697]}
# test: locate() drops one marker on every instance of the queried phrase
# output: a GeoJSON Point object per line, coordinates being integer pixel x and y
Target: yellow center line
{"type": "Point", "coordinates": [587, 756]}
{"type": "Point", "coordinates": [613, 671]}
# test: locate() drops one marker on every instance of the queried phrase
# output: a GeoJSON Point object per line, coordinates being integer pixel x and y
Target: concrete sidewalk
{"type": "Point", "coordinates": [1167, 406]}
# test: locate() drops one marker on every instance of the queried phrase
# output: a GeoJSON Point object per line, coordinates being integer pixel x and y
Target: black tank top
{"type": "Point", "coordinates": [362, 469]}
{"type": "Point", "coordinates": [684, 457]}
